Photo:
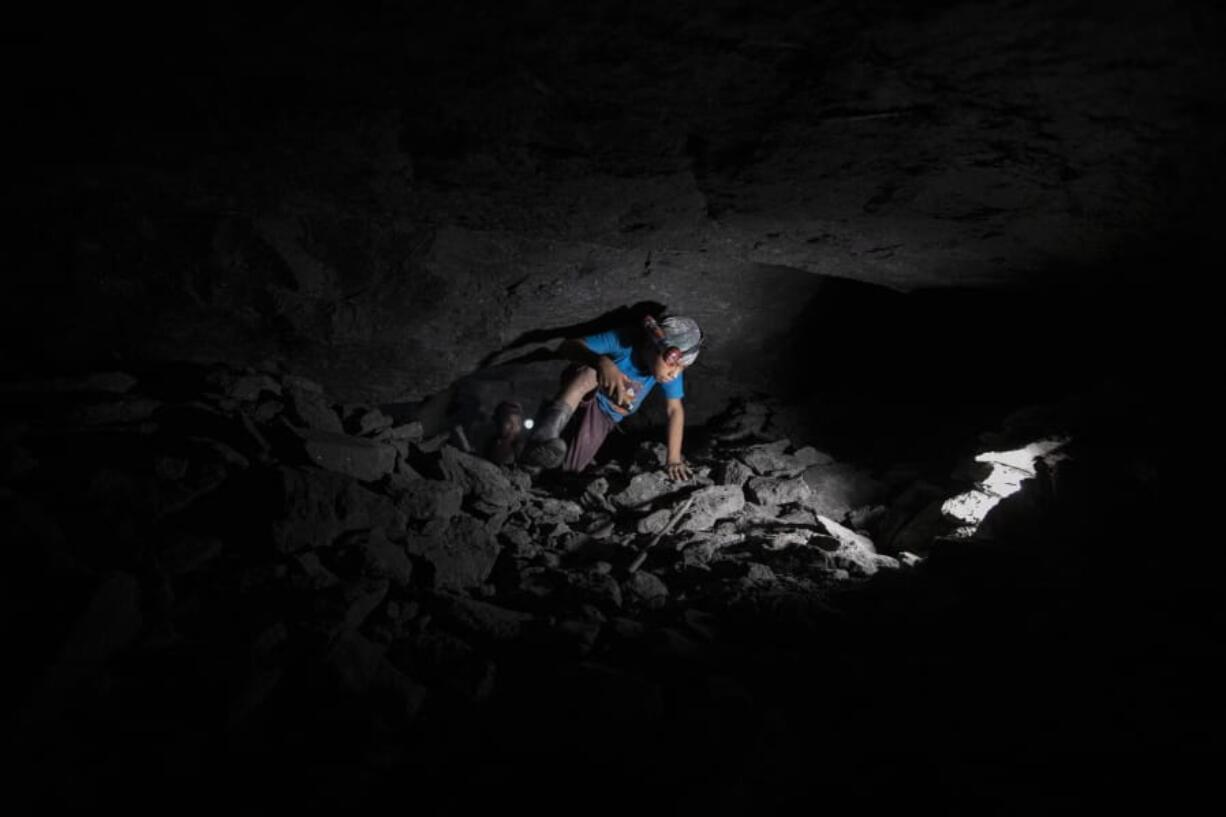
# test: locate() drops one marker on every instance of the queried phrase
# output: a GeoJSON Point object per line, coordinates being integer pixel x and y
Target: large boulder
{"type": "Point", "coordinates": [387, 559]}
{"type": "Point", "coordinates": [308, 407]}
{"type": "Point", "coordinates": [360, 458]}
{"type": "Point", "coordinates": [314, 507]}
{"type": "Point", "coordinates": [481, 479]}
{"type": "Point", "coordinates": [426, 499]}
{"type": "Point", "coordinates": [461, 555]}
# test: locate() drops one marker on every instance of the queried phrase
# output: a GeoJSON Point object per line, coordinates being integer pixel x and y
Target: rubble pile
{"type": "Point", "coordinates": [236, 540]}
{"type": "Point", "coordinates": [229, 587]}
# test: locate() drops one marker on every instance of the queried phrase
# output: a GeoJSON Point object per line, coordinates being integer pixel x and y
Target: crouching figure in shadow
{"type": "Point", "coordinates": [612, 372]}
{"type": "Point", "coordinates": [505, 448]}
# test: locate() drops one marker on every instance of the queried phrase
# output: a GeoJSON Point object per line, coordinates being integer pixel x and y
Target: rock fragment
{"type": "Point", "coordinates": [482, 620]}
{"type": "Point", "coordinates": [426, 499]}
{"type": "Point", "coordinates": [643, 488]}
{"type": "Point", "coordinates": [252, 387]}
{"type": "Point", "coordinates": [387, 559]}
{"type": "Point", "coordinates": [362, 459]}
{"type": "Point", "coordinates": [732, 472]}
{"type": "Point", "coordinates": [369, 422]}
{"type": "Point", "coordinates": [758, 572]}
{"type": "Point", "coordinates": [712, 504]}
{"type": "Point", "coordinates": [647, 588]}
{"type": "Point", "coordinates": [856, 551]}
{"type": "Point", "coordinates": [769, 460]}
{"type": "Point", "coordinates": [838, 488]}
{"type": "Point", "coordinates": [653, 522]}
{"type": "Point", "coordinates": [126, 410]}
{"type": "Point", "coordinates": [810, 456]}
{"type": "Point", "coordinates": [189, 553]}
{"type": "Point", "coordinates": [462, 555]}
{"type": "Point", "coordinates": [480, 478]}
{"type": "Point", "coordinates": [308, 406]}
{"type": "Point", "coordinates": [777, 491]}
{"type": "Point", "coordinates": [314, 507]}
{"type": "Point", "coordinates": [560, 509]}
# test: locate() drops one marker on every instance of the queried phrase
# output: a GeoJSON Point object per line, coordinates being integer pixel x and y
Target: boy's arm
{"type": "Point", "coordinates": [608, 377]}
{"type": "Point", "coordinates": [677, 469]}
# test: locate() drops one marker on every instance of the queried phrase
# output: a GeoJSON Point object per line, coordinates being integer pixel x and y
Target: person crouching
{"type": "Point", "coordinates": [612, 374]}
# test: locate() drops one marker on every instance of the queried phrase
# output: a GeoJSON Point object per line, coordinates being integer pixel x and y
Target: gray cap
{"type": "Point", "coordinates": [685, 335]}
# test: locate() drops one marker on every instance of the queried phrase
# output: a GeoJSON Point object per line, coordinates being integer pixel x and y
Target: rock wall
{"type": "Point", "coordinates": [386, 201]}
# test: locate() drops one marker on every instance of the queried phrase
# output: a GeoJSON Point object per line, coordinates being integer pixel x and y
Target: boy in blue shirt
{"type": "Point", "coordinates": [612, 374]}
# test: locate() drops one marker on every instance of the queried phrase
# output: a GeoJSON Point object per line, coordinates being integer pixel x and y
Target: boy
{"type": "Point", "coordinates": [612, 374]}
{"type": "Point", "coordinates": [507, 446]}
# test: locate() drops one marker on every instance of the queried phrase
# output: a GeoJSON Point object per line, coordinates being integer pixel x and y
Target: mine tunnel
{"type": "Point", "coordinates": [275, 268]}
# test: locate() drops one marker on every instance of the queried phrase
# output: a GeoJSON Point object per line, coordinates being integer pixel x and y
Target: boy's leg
{"type": "Point", "coordinates": [545, 448]}
{"type": "Point", "coordinates": [589, 434]}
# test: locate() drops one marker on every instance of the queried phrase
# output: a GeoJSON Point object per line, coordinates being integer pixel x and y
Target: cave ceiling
{"type": "Point", "coordinates": [387, 199]}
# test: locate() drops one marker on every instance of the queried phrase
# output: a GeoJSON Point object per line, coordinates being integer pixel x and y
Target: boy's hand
{"type": "Point", "coordinates": [614, 384]}
{"type": "Point", "coordinates": [679, 470]}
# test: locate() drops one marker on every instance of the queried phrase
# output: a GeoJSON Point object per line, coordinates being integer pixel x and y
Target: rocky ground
{"type": "Point", "coordinates": [230, 586]}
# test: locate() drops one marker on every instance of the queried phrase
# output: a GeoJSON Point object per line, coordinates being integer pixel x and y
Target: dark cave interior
{"type": "Point", "coordinates": [266, 259]}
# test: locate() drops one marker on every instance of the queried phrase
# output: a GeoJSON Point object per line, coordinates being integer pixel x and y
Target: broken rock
{"type": "Point", "coordinates": [314, 575]}
{"type": "Point", "coordinates": [189, 553]}
{"type": "Point", "coordinates": [363, 459]}
{"type": "Point", "coordinates": [855, 552]}
{"type": "Point", "coordinates": [250, 388]}
{"type": "Point", "coordinates": [386, 559]}
{"type": "Point", "coordinates": [125, 410]}
{"type": "Point", "coordinates": [462, 555]}
{"type": "Point", "coordinates": [480, 478]}
{"type": "Point", "coordinates": [840, 487]}
{"type": "Point", "coordinates": [646, 588]}
{"type": "Point", "coordinates": [317, 506]}
{"type": "Point", "coordinates": [643, 488]}
{"type": "Point", "coordinates": [561, 509]}
{"type": "Point", "coordinates": [712, 504]}
{"type": "Point", "coordinates": [770, 460]}
{"type": "Point", "coordinates": [758, 572]}
{"type": "Point", "coordinates": [810, 456]}
{"type": "Point", "coordinates": [425, 499]}
{"type": "Point", "coordinates": [654, 522]}
{"type": "Point", "coordinates": [308, 406]}
{"type": "Point", "coordinates": [774, 491]}
{"type": "Point", "coordinates": [596, 587]}
{"type": "Point", "coordinates": [371, 421]}
{"type": "Point", "coordinates": [732, 472]}
{"type": "Point", "coordinates": [482, 620]}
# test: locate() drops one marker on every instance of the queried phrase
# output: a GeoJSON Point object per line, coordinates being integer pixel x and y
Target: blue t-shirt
{"type": "Point", "coordinates": [618, 346]}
